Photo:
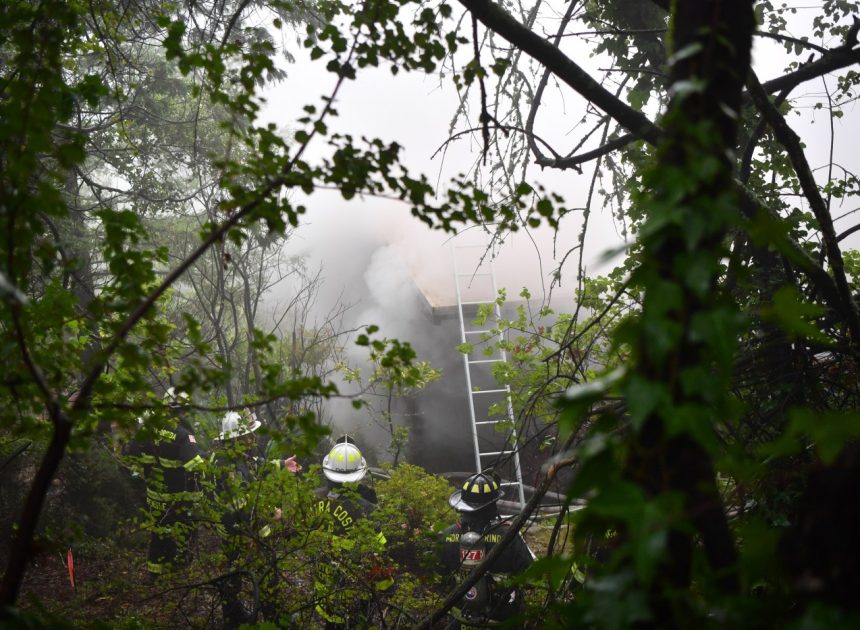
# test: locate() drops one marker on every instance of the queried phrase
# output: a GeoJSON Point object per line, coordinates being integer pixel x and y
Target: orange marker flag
{"type": "Point", "coordinates": [70, 563]}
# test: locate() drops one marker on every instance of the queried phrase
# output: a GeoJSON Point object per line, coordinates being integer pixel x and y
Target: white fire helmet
{"type": "Point", "coordinates": [175, 398]}
{"type": "Point", "coordinates": [344, 463]}
{"type": "Point", "coordinates": [235, 424]}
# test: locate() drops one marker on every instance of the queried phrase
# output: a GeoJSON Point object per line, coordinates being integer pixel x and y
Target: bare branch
{"type": "Point", "coordinates": [500, 21]}
{"type": "Point", "coordinates": [834, 60]}
{"type": "Point", "coordinates": [538, 95]}
{"type": "Point", "coordinates": [794, 40]}
{"type": "Point", "coordinates": [460, 134]}
{"type": "Point", "coordinates": [575, 160]}
{"type": "Point", "coordinates": [848, 232]}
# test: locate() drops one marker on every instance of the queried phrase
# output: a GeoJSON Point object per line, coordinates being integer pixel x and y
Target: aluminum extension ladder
{"type": "Point", "coordinates": [478, 280]}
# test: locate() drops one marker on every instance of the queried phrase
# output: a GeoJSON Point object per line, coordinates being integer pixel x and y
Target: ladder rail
{"type": "Point", "coordinates": [474, 427]}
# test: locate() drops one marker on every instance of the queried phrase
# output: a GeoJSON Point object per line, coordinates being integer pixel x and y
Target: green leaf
{"type": "Point", "coordinates": [686, 52]}
{"type": "Point", "coordinates": [643, 398]}
{"type": "Point", "coordinates": [500, 66]}
{"type": "Point", "coordinates": [618, 499]}
{"type": "Point", "coordinates": [554, 569]}
{"type": "Point", "coordinates": [523, 189]}
{"type": "Point", "coordinates": [829, 431]}
{"type": "Point", "coordinates": [594, 389]}
{"type": "Point", "coordinates": [794, 315]}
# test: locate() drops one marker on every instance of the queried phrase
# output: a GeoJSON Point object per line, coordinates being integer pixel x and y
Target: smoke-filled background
{"type": "Point", "coordinates": [389, 271]}
{"type": "Point", "coordinates": [392, 271]}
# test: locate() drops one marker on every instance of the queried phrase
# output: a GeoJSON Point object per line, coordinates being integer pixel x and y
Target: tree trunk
{"type": "Point", "coordinates": [711, 59]}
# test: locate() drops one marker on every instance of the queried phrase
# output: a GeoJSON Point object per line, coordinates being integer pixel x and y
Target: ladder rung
{"type": "Point", "coordinates": [476, 332]}
{"type": "Point", "coordinates": [490, 391]}
{"type": "Point", "coordinates": [485, 361]}
{"type": "Point", "coordinates": [496, 453]}
{"type": "Point", "coordinates": [488, 421]}
{"type": "Point", "coordinates": [477, 303]}
{"type": "Point", "coordinates": [510, 483]}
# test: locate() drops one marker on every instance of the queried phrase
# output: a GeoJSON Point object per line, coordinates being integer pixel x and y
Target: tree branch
{"type": "Point", "coordinates": [833, 60]}
{"type": "Point", "coordinates": [538, 95]}
{"type": "Point", "coordinates": [500, 21]}
{"type": "Point", "coordinates": [745, 169]}
{"type": "Point", "coordinates": [575, 160]}
{"type": "Point", "coordinates": [19, 553]}
{"type": "Point", "coordinates": [495, 125]}
{"type": "Point", "coordinates": [752, 207]}
{"type": "Point", "coordinates": [848, 232]}
{"type": "Point", "coordinates": [794, 40]}
{"type": "Point", "coordinates": [790, 140]}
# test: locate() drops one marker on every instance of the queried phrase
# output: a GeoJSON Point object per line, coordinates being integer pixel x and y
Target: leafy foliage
{"type": "Point", "coordinates": [706, 390]}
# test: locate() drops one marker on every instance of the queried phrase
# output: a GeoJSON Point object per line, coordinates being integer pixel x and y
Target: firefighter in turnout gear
{"type": "Point", "coordinates": [344, 464]}
{"type": "Point", "coordinates": [235, 459]}
{"type": "Point", "coordinates": [240, 460]}
{"type": "Point", "coordinates": [236, 441]}
{"type": "Point", "coordinates": [243, 522]}
{"type": "Point", "coordinates": [343, 505]}
{"type": "Point", "coordinates": [468, 542]}
{"type": "Point", "coordinates": [171, 463]}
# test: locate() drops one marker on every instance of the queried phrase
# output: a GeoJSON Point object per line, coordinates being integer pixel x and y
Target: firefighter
{"type": "Point", "coordinates": [240, 467]}
{"type": "Point", "coordinates": [171, 464]}
{"type": "Point", "coordinates": [342, 505]}
{"type": "Point", "coordinates": [489, 602]}
{"type": "Point", "coordinates": [238, 454]}
{"type": "Point", "coordinates": [235, 459]}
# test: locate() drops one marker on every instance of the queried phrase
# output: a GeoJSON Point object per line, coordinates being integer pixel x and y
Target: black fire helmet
{"type": "Point", "coordinates": [479, 491]}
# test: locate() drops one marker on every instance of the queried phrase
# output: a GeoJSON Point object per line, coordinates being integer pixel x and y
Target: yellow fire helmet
{"type": "Point", "coordinates": [344, 463]}
{"type": "Point", "coordinates": [479, 490]}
